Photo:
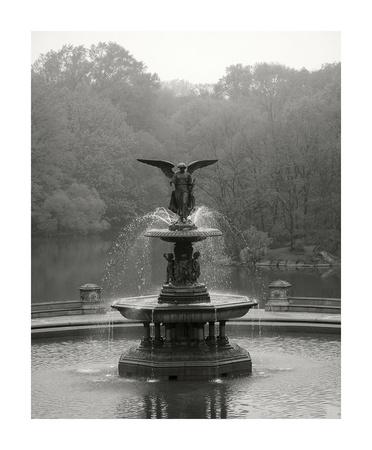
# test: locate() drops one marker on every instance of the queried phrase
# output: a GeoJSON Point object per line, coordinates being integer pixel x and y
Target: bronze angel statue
{"type": "Point", "coordinates": [182, 200]}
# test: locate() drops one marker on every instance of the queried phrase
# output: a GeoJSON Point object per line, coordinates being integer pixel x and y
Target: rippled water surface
{"type": "Point", "coordinates": [293, 377]}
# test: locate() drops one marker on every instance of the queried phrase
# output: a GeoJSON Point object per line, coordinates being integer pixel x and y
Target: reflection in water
{"type": "Point", "coordinates": [154, 408]}
{"type": "Point", "coordinates": [163, 402]}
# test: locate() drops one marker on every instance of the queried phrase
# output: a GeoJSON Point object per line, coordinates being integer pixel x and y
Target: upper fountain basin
{"type": "Point", "coordinates": [147, 309]}
{"type": "Point", "coordinates": [192, 235]}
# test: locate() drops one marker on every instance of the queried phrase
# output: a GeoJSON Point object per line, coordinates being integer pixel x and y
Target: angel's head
{"type": "Point", "coordinates": [182, 166]}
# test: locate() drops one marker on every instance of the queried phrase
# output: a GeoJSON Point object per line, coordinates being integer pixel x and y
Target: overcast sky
{"type": "Point", "coordinates": [201, 57]}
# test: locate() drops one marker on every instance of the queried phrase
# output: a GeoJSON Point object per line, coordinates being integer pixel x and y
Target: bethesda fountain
{"type": "Point", "coordinates": [184, 326]}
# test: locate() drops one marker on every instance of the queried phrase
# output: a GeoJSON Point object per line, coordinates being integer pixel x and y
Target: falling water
{"type": "Point", "coordinates": [215, 251]}
{"type": "Point", "coordinates": [128, 268]}
{"type": "Point", "coordinates": [110, 330]}
{"type": "Point", "coordinates": [128, 261]}
{"type": "Point", "coordinates": [215, 342]}
{"type": "Point", "coordinates": [152, 324]}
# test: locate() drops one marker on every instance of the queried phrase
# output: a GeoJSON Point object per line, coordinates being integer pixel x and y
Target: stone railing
{"type": "Point", "coordinates": [90, 303]}
{"type": "Point", "coordinates": [281, 300]}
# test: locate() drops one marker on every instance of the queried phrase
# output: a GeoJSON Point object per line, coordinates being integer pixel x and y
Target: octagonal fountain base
{"type": "Point", "coordinates": [203, 362]}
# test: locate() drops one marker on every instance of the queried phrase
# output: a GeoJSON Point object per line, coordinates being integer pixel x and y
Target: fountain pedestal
{"type": "Point", "coordinates": [91, 300]}
{"type": "Point", "coordinates": [179, 348]}
{"type": "Point", "coordinates": [176, 361]}
{"type": "Point", "coordinates": [197, 293]}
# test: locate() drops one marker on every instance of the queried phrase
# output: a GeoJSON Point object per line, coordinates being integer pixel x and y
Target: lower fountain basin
{"type": "Point", "coordinates": [295, 375]}
{"type": "Point", "coordinates": [220, 307]}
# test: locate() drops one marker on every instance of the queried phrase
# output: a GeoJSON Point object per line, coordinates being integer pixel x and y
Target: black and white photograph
{"type": "Point", "coordinates": [186, 225]}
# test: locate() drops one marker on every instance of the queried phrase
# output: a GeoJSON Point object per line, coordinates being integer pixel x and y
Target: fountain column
{"type": "Point", "coordinates": [190, 333]}
{"type": "Point", "coordinates": [147, 334]}
{"type": "Point", "coordinates": [222, 328]}
{"type": "Point", "coordinates": [211, 333]}
{"type": "Point", "coordinates": [173, 333]}
{"type": "Point", "coordinates": [200, 332]}
{"type": "Point", "coordinates": [222, 339]}
{"type": "Point", "coordinates": [158, 338]}
{"type": "Point", "coordinates": [168, 333]}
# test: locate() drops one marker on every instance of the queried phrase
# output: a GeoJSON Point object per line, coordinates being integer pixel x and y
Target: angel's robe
{"type": "Point", "coordinates": [182, 201]}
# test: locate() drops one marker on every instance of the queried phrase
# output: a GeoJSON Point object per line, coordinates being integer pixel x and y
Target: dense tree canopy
{"type": "Point", "coordinates": [275, 130]}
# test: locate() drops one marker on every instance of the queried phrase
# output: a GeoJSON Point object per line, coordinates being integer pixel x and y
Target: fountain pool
{"type": "Point", "coordinates": [294, 376]}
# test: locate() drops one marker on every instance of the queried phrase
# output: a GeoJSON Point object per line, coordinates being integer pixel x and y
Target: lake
{"type": "Point", "coordinates": [61, 264]}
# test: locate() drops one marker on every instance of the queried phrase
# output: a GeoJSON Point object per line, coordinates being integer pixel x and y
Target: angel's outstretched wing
{"type": "Point", "coordinates": [199, 164]}
{"type": "Point", "coordinates": [165, 166]}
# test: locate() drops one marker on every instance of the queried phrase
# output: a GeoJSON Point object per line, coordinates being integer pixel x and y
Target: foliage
{"type": "Point", "coordinates": [257, 242]}
{"type": "Point", "coordinates": [78, 208]}
{"type": "Point", "coordinates": [275, 130]}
